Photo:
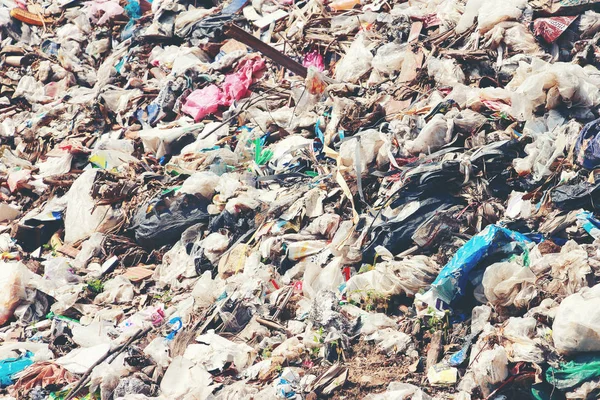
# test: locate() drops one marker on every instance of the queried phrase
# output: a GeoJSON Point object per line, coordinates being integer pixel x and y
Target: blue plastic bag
{"type": "Point", "coordinates": [452, 280]}
{"type": "Point", "coordinates": [133, 9]}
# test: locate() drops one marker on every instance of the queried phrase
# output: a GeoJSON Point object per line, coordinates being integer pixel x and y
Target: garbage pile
{"type": "Point", "coordinates": [300, 199]}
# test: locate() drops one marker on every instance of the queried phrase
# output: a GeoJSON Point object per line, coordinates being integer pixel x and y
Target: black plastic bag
{"type": "Point", "coordinates": [164, 220]}
{"type": "Point", "coordinates": [579, 195]}
{"type": "Point", "coordinates": [587, 147]}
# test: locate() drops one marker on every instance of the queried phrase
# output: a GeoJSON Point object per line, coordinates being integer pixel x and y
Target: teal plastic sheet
{"type": "Point", "coordinates": [11, 366]}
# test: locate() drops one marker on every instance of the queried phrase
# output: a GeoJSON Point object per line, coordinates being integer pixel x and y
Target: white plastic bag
{"type": "Point", "coordinates": [40, 351]}
{"type": "Point", "coordinates": [576, 327]}
{"type": "Point", "coordinates": [446, 72]}
{"type": "Point", "coordinates": [184, 377]}
{"type": "Point", "coordinates": [316, 278]}
{"type": "Point", "coordinates": [356, 62]}
{"type": "Point", "coordinates": [118, 290]}
{"type": "Point", "coordinates": [490, 368]}
{"type": "Point", "coordinates": [400, 391]}
{"type": "Point", "coordinates": [434, 135]}
{"type": "Point", "coordinates": [493, 12]}
{"type": "Point", "coordinates": [78, 361]}
{"type": "Point", "coordinates": [325, 225]}
{"type": "Point", "coordinates": [159, 140]}
{"type": "Point", "coordinates": [83, 216]}
{"type": "Point", "coordinates": [214, 245]}
{"type": "Point", "coordinates": [360, 151]}
{"type": "Point", "coordinates": [480, 316]}
{"type": "Point", "coordinates": [206, 290]}
{"type": "Point", "coordinates": [60, 272]}
{"type": "Point", "coordinates": [55, 165]}
{"type": "Point", "coordinates": [12, 288]}
{"type": "Point", "coordinates": [514, 35]}
{"type": "Point", "coordinates": [509, 284]}
{"type": "Point", "coordinates": [158, 351]}
{"type": "Point", "coordinates": [468, 121]}
{"type": "Point", "coordinates": [569, 269]}
{"type": "Point", "coordinates": [106, 376]}
{"type": "Point", "coordinates": [371, 322]}
{"type": "Point", "coordinates": [90, 248]}
{"type": "Point", "coordinates": [389, 58]}
{"type": "Point", "coordinates": [203, 183]}
{"type": "Point", "coordinates": [521, 344]}
{"type": "Point", "coordinates": [532, 81]}
{"type": "Point", "coordinates": [344, 24]}
{"type": "Point", "coordinates": [392, 278]}
{"type": "Point", "coordinates": [545, 149]}
{"type": "Point", "coordinates": [207, 139]}
{"type": "Point", "coordinates": [468, 18]}
{"type": "Point", "coordinates": [304, 248]}
{"type": "Point", "coordinates": [390, 341]}
{"type": "Point", "coordinates": [290, 350]}
{"type": "Point", "coordinates": [589, 24]}
{"type": "Point", "coordinates": [215, 352]}
{"type": "Point", "coordinates": [93, 334]}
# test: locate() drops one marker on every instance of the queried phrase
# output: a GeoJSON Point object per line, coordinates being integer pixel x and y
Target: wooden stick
{"type": "Point", "coordinates": [283, 303]}
{"type": "Point", "coordinates": [435, 349]}
{"type": "Point", "coordinates": [116, 351]}
{"type": "Point", "coordinates": [281, 59]}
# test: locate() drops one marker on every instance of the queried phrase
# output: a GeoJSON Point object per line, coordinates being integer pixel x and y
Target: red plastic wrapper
{"type": "Point", "coordinates": [551, 28]}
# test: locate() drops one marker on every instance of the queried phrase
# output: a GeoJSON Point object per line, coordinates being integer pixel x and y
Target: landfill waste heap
{"type": "Point", "coordinates": [299, 199]}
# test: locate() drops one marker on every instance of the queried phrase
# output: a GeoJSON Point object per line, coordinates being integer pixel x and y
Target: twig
{"type": "Point", "coordinates": [116, 351]}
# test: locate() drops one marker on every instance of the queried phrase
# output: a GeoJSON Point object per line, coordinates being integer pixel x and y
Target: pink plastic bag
{"type": "Point", "coordinates": [315, 60]}
{"type": "Point", "coordinates": [203, 102]}
{"type": "Point", "coordinates": [105, 9]}
{"type": "Point", "coordinates": [235, 87]}
{"type": "Point", "coordinates": [237, 84]}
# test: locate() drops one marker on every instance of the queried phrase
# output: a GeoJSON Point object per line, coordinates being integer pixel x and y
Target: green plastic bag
{"type": "Point", "coordinates": [575, 372]}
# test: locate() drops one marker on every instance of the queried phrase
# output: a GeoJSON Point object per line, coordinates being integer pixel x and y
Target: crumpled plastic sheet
{"type": "Point", "coordinates": [42, 374]}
